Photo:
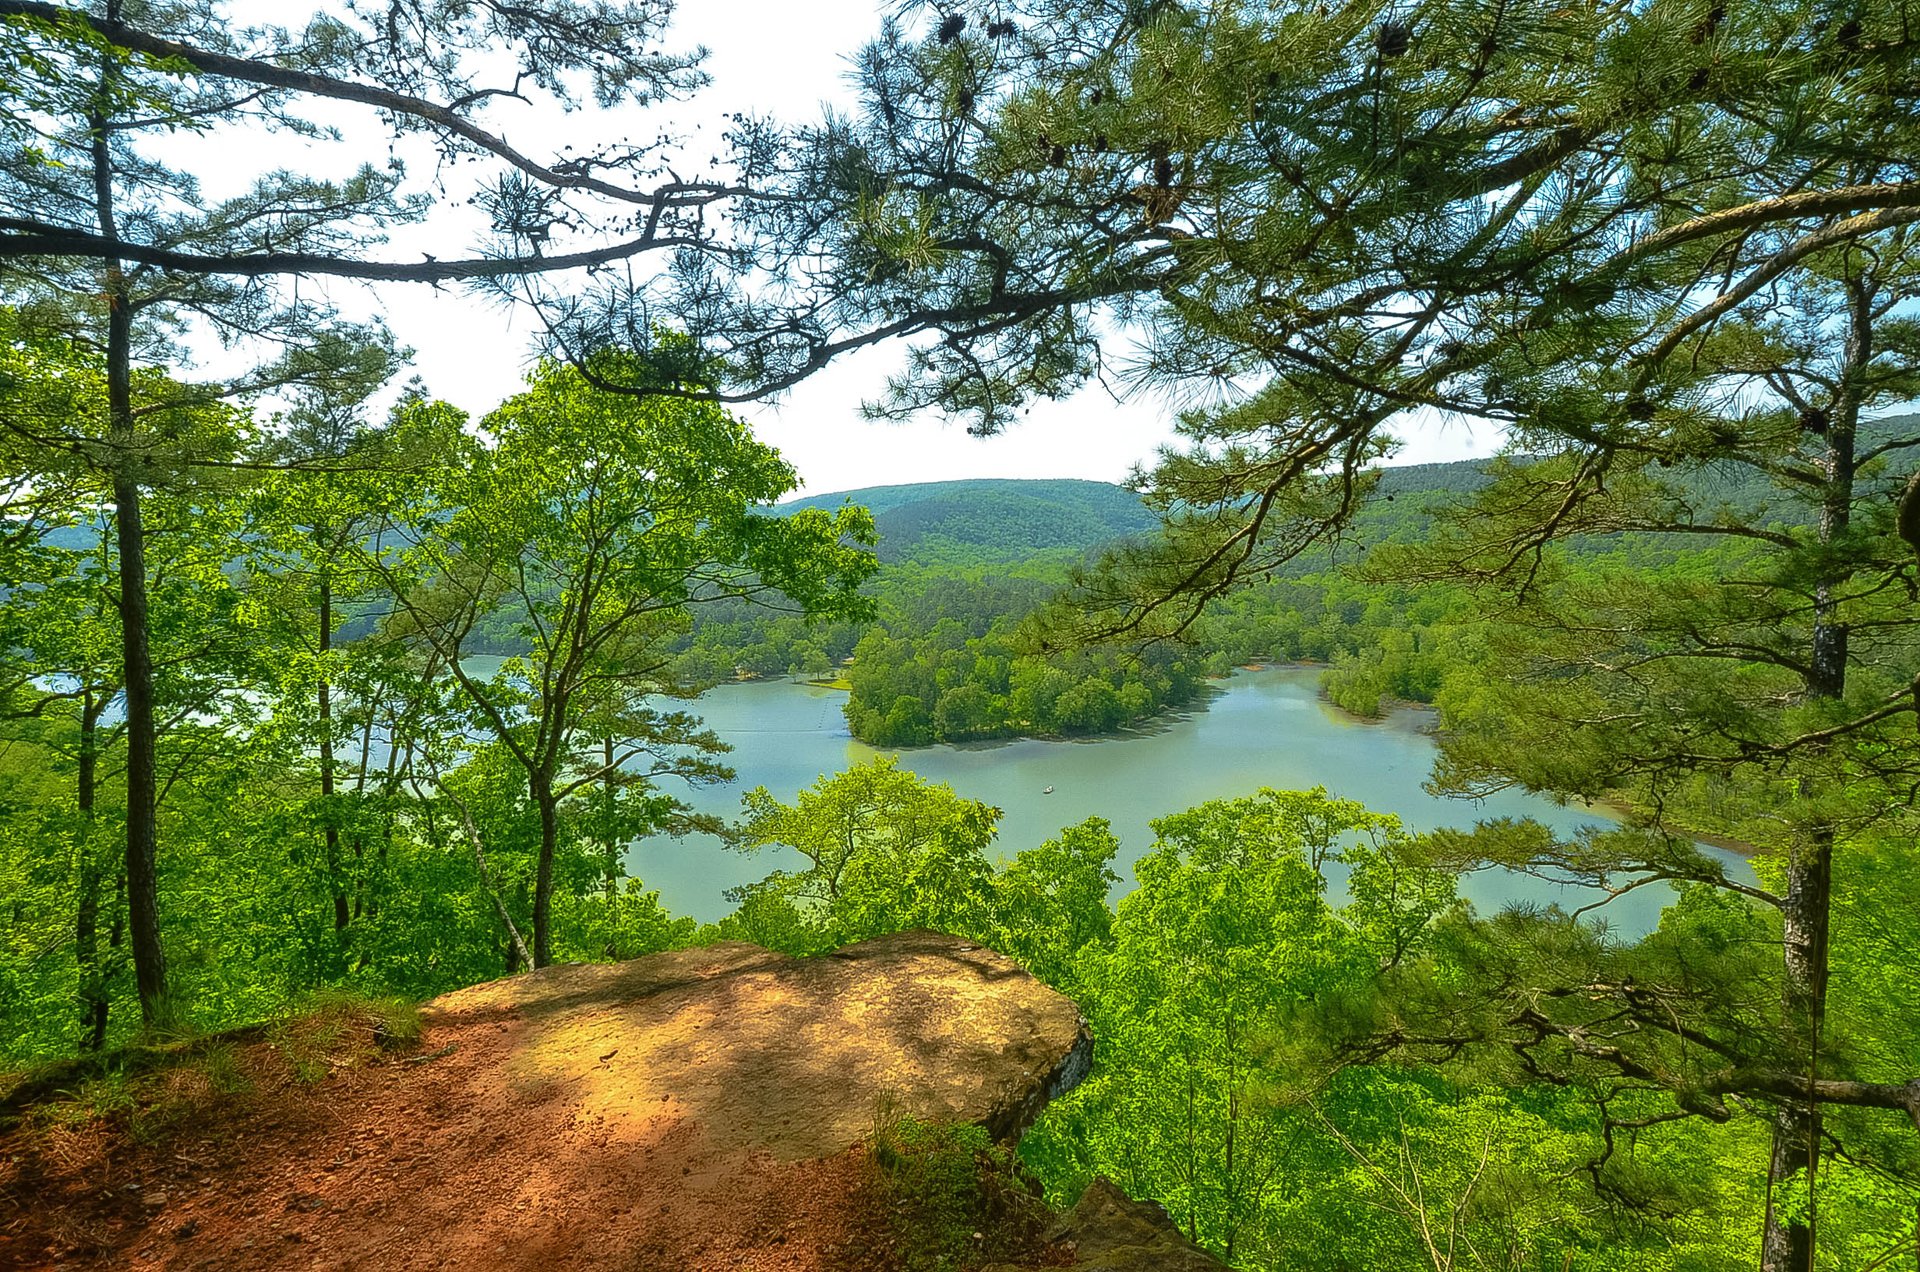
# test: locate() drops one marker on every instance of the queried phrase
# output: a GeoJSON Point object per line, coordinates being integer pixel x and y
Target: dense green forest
{"type": "Point", "coordinates": [950, 656]}
{"type": "Point", "coordinates": [959, 650]}
{"type": "Point", "coordinates": [312, 682]}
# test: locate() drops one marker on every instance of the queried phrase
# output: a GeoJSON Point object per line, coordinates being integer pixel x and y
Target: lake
{"type": "Point", "coordinates": [1261, 728]}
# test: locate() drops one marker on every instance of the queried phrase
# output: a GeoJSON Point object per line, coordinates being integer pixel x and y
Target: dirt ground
{"type": "Point", "coordinates": [429, 1166]}
{"type": "Point", "coordinates": [590, 1124]}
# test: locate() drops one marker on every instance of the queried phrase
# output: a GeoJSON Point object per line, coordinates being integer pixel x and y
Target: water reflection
{"type": "Point", "coordinates": [1264, 728]}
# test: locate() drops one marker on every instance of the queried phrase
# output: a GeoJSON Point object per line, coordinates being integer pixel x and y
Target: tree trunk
{"type": "Point", "coordinates": [143, 839]}
{"type": "Point", "coordinates": [389, 796]}
{"type": "Point", "coordinates": [143, 896]}
{"type": "Point", "coordinates": [610, 794]}
{"type": "Point", "coordinates": [543, 874]}
{"type": "Point", "coordinates": [342, 913]}
{"type": "Point", "coordinates": [86, 923]}
{"type": "Point", "coordinates": [516, 957]}
{"type": "Point", "coordinates": [116, 941]}
{"type": "Point", "coordinates": [362, 900]}
{"type": "Point", "coordinates": [1788, 1244]}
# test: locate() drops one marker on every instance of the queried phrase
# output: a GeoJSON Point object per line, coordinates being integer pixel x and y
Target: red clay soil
{"type": "Point", "coordinates": [540, 1123]}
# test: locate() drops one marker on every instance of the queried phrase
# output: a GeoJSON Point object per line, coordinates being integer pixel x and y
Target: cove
{"type": "Point", "coordinates": [1260, 728]}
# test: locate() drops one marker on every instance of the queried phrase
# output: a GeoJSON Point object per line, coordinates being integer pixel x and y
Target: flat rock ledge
{"type": "Point", "coordinates": [790, 1057]}
{"type": "Point", "coordinates": [692, 1111]}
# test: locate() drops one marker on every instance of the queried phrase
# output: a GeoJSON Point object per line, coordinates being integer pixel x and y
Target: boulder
{"type": "Point", "coordinates": [1109, 1231]}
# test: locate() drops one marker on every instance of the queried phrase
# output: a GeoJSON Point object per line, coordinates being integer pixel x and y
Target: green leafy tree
{"type": "Point", "coordinates": [1051, 901]}
{"type": "Point", "coordinates": [1228, 937]}
{"type": "Point", "coordinates": [107, 239]}
{"type": "Point", "coordinates": [595, 521]}
{"type": "Point", "coordinates": [308, 522]}
{"type": "Point", "coordinates": [63, 644]}
{"type": "Point", "coordinates": [886, 852]}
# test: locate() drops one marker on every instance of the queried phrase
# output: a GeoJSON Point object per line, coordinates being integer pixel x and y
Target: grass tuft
{"type": "Point", "coordinates": [173, 1078]}
{"type": "Point", "coordinates": [338, 1028]}
{"type": "Point", "coordinates": [953, 1198]}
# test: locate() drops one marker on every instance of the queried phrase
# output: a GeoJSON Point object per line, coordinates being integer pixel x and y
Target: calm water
{"type": "Point", "coordinates": [1264, 728]}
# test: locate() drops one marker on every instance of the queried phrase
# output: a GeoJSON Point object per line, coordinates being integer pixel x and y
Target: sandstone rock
{"type": "Point", "coordinates": [790, 1056]}
{"type": "Point", "coordinates": [1111, 1232]}
{"type": "Point", "coordinates": [700, 1110]}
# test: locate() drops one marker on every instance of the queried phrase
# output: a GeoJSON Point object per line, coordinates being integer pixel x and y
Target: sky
{"type": "Point", "coordinates": [788, 59]}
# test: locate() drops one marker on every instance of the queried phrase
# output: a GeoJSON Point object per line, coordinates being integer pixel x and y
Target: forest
{"type": "Point", "coordinates": [959, 647]}
{"type": "Point", "coordinates": [314, 683]}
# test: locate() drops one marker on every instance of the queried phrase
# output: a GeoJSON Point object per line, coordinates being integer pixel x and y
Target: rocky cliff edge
{"type": "Point", "coordinates": [696, 1109]}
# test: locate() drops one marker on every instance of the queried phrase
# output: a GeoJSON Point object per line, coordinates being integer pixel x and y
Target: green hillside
{"type": "Point", "coordinates": [992, 520]}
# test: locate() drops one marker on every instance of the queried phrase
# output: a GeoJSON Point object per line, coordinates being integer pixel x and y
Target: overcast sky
{"type": "Point", "coordinates": [786, 59]}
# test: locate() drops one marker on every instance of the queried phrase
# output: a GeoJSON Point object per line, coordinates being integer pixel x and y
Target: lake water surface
{"type": "Point", "coordinates": [1262, 728]}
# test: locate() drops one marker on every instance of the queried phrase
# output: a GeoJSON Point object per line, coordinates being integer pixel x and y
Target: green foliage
{"type": "Point", "coordinates": [1050, 902]}
{"type": "Point", "coordinates": [952, 662]}
{"type": "Point", "coordinates": [1227, 934]}
{"type": "Point", "coordinates": [597, 519]}
{"type": "Point", "coordinates": [886, 851]}
{"type": "Point", "coordinates": [1219, 1087]}
{"type": "Point", "coordinates": [345, 802]}
{"type": "Point", "coordinates": [952, 1198]}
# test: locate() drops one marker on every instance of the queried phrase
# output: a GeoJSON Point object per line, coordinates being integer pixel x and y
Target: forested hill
{"type": "Point", "coordinates": [992, 520]}
{"type": "Point", "coordinates": [1004, 521]}
{"type": "Point", "coordinates": [999, 520]}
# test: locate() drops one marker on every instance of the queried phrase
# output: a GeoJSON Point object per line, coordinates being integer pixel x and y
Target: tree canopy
{"type": "Point", "coordinates": [1664, 249]}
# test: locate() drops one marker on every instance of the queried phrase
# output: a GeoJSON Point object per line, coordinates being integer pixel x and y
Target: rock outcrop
{"type": "Point", "coordinates": [1109, 1231]}
{"type": "Point", "coordinates": [787, 1056]}
{"type": "Point", "coordinates": [692, 1110]}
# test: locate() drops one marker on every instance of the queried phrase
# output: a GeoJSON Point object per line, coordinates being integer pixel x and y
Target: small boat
{"type": "Point", "coordinates": [1047, 791]}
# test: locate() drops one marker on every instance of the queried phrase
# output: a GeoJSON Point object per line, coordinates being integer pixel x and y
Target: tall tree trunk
{"type": "Point", "coordinates": [516, 947]}
{"type": "Point", "coordinates": [362, 901]}
{"type": "Point", "coordinates": [609, 794]}
{"type": "Point", "coordinates": [143, 894]}
{"type": "Point", "coordinates": [116, 941]}
{"type": "Point", "coordinates": [1788, 1244]}
{"type": "Point", "coordinates": [86, 923]}
{"type": "Point", "coordinates": [389, 795]}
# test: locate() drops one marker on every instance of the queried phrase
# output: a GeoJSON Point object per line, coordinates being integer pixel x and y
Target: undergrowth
{"type": "Point", "coordinates": [953, 1198]}
{"type": "Point", "coordinates": [152, 1088]}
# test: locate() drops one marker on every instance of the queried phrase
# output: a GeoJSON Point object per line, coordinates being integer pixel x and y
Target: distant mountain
{"type": "Point", "coordinates": [993, 520]}
{"type": "Point", "coordinates": [1004, 520]}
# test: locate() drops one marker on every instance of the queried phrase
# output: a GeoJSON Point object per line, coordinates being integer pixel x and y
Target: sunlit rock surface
{"type": "Point", "coordinates": [789, 1056]}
